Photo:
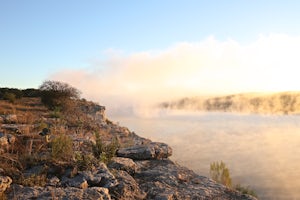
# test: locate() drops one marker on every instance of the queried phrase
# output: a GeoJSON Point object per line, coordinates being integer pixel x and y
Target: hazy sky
{"type": "Point", "coordinates": [158, 47]}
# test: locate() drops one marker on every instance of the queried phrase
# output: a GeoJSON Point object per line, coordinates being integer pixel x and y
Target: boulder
{"type": "Point", "coordinates": [49, 193]}
{"type": "Point", "coordinates": [127, 187]}
{"type": "Point", "coordinates": [153, 150]}
{"type": "Point", "coordinates": [125, 164]}
{"type": "Point", "coordinates": [101, 177]}
{"type": "Point", "coordinates": [5, 182]}
{"type": "Point", "coordinates": [77, 181]}
{"type": "Point", "coordinates": [54, 181]}
{"type": "Point", "coordinates": [5, 141]}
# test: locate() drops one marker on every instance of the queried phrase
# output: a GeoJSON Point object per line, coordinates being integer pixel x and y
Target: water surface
{"type": "Point", "coordinates": [260, 151]}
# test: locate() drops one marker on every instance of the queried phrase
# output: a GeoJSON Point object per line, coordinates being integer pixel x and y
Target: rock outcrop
{"type": "Point", "coordinates": [6, 140]}
{"type": "Point", "coordinates": [163, 179]}
{"type": "Point", "coordinates": [153, 150]}
{"type": "Point", "coordinates": [126, 179]}
{"type": "Point", "coordinates": [125, 164]}
{"type": "Point", "coordinates": [49, 193]}
{"type": "Point", "coordinates": [141, 169]}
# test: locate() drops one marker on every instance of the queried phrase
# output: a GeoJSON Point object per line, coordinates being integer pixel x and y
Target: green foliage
{"type": "Point", "coordinates": [246, 190]}
{"type": "Point", "coordinates": [42, 125]}
{"type": "Point", "coordinates": [17, 93]}
{"type": "Point", "coordinates": [57, 94]}
{"type": "Point", "coordinates": [11, 97]}
{"type": "Point", "coordinates": [20, 93]}
{"type": "Point", "coordinates": [56, 113]}
{"type": "Point", "coordinates": [220, 173]}
{"type": "Point", "coordinates": [62, 148]}
{"type": "Point", "coordinates": [105, 152]}
{"type": "Point", "coordinates": [84, 162]}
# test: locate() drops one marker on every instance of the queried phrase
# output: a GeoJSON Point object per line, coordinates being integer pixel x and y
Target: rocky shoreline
{"type": "Point", "coordinates": [141, 169]}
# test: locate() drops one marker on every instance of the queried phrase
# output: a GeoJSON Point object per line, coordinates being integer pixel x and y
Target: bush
{"type": "Point", "coordinates": [11, 97]}
{"type": "Point", "coordinates": [57, 94]}
{"type": "Point", "coordinates": [84, 161]}
{"type": "Point", "coordinates": [105, 152]}
{"type": "Point", "coordinates": [220, 173]}
{"type": "Point", "coordinates": [62, 148]}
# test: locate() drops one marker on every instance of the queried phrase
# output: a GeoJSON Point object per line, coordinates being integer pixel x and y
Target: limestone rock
{"type": "Point", "coordinates": [163, 179]}
{"type": "Point", "coordinates": [6, 140]}
{"type": "Point", "coordinates": [77, 181]}
{"type": "Point", "coordinates": [101, 177]}
{"type": "Point", "coordinates": [125, 164]}
{"type": "Point", "coordinates": [3, 141]}
{"type": "Point", "coordinates": [54, 181]}
{"type": "Point", "coordinates": [153, 150]}
{"type": "Point", "coordinates": [50, 193]}
{"type": "Point", "coordinates": [127, 187]}
{"type": "Point", "coordinates": [5, 182]}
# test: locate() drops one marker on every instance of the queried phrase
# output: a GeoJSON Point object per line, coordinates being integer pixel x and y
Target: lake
{"type": "Point", "coordinates": [261, 151]}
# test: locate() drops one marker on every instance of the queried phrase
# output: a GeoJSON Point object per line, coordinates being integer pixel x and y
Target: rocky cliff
{"type": "Point", "coordinates": [139, 169]}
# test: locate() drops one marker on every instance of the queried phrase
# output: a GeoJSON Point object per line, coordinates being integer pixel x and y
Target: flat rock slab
{"type": "Point", "coordinates": [163, 179]}
{"type": "Point", "coordinates": [151, 151]}
{"type": "Point", "coordinates": [50, 193]}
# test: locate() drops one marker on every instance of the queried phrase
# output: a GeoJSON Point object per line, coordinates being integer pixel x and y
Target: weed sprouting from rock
{"type": "Point", "coordinates": [220, 173]}
{"type": "Point", "coordinates": [105, 152]}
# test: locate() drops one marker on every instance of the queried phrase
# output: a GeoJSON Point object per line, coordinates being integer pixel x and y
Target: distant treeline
{"type": "Point", "coordinates": [275, 103]}
{"type": "Point", "coordinates": [19, 93]}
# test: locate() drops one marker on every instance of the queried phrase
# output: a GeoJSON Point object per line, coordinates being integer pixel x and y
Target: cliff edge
{"type": "Point", "coordinates": [80, 154]}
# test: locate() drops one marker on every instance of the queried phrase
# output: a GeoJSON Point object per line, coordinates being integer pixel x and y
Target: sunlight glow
{"type": "Point", "coordinates": [192, 69]}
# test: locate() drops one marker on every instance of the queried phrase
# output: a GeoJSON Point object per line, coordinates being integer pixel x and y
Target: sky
{"type": "Point", "coordinates": [148, 50]}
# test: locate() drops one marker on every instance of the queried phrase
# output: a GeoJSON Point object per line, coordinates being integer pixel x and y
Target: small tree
{"type": "Point", "coordinates": [220, 173]}
{"type": "Point", "coordinates": [55, 94]}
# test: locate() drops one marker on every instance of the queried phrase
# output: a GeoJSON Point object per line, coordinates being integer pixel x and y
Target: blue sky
{"type": "Point", "coordinates": [39, 39]}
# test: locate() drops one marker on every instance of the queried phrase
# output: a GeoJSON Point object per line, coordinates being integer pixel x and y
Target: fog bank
{"type": "Point", "coordinates": [141, 79]}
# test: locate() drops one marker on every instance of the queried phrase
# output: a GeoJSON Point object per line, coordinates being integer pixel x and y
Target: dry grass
{"type": "Point", "coordinates": [28, 110]}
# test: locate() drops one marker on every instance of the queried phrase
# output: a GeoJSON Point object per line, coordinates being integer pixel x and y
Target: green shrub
{"type": "Point", "coordinates": [62, 148]}
{"type": "Point", "coordinates": [11, 97]}
{"type": "Point", "coordinates": [56, 113]}
{"type": "Point", "coordinates": [105, 152]}
{"type": "Point", "coordinates": [84, 162]}
{"type": "Point", "coordinates": [245, 190]}
{"type": "Point", "coordinates": [220, 173]}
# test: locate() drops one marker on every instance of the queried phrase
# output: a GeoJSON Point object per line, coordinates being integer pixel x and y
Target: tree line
{"type": "Point", "coordinates": [53, 94]}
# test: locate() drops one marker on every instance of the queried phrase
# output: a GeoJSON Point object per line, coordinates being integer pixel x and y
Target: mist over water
{"type": "Point", "coordinates": [261, 151]}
